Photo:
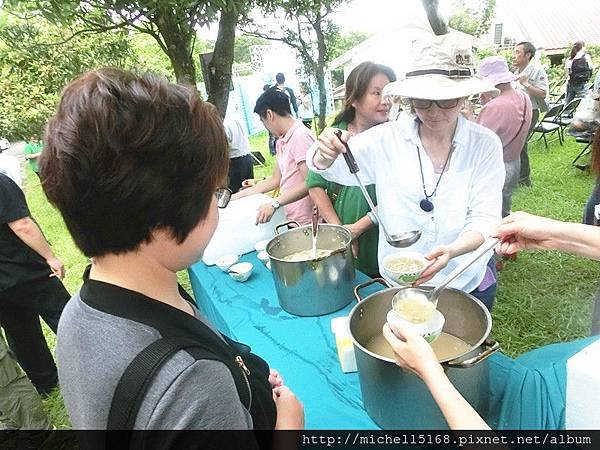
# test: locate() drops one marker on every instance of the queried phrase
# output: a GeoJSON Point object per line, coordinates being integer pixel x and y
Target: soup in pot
{"type": "Point", "coordinates": [307, 255]}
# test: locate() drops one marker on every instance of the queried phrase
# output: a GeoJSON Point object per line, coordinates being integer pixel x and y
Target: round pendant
{"type": "Point", "coordinates": [426, 205]}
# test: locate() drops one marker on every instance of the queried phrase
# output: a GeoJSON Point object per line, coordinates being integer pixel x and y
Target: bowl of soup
{"type": "Point", "coordinates": [404, 267]}
{"type": "Point", "coordinates": [418, 315]}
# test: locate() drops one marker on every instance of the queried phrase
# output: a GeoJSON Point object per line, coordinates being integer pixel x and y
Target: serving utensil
{"type": "Point", "coordinates": [401, 240]}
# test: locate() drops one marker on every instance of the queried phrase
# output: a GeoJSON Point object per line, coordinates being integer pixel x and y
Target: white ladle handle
{"type": "Point", "coordinates": [482, 250]}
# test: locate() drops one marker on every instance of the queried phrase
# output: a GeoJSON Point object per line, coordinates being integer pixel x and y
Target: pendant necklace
{"type": "Point", "coordinates": [426, 204]}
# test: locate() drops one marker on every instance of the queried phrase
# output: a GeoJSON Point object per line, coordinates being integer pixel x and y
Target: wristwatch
{"type": "Point", "coordinates": [526, 85]}
{"type": "Point", "coordinates": [275, 204]}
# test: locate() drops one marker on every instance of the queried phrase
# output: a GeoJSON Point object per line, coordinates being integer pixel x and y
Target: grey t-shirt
{"type": "Point", "coordinates": [536, 75]}
{"type": "Point", "coordinates": [93, 350]}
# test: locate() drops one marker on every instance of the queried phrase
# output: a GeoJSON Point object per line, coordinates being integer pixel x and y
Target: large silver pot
{"type": "Point", "coordinates": [397, 399]}
{"type": "Point", "coordinates": [318, 286]}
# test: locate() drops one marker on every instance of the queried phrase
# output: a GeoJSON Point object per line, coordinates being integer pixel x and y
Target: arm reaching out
{"type": "Point", "coordinates": [523, 231]}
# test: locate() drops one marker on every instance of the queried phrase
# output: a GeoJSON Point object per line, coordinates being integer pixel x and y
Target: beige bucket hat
{"type": "Point", "coordinates": [443, 68]}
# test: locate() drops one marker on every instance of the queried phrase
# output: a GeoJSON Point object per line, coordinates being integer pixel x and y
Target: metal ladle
{"type": "Point", "coordinates": [433, 295]}
{"type": "Point", "coordinates": [401, 240]}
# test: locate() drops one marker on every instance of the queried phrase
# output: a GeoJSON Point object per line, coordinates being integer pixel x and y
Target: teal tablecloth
{"type": "Point", "coordinates": [301, 348]}
{"type": "Point", "coordinates": [526, 393]}
{"type": "Point", "coordinates": [529, 393]}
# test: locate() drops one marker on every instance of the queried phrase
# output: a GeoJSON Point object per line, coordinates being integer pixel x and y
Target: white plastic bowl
{"type": "Point", "coordinates": [261, 245]}
{"type": "Point", "coordinates": [241, 271]}
{"type": "Point", "coordinates": [263, 256]}
{"type": "Point", "coordinates": [430, 330]}
{"type": "Point", "coordinates": [401, 277]}
{"type": "Point", "coordinates": [226, 261]}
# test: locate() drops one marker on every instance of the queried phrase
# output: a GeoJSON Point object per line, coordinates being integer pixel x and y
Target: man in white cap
{"type": "Point", "coordinates": [508, 115]}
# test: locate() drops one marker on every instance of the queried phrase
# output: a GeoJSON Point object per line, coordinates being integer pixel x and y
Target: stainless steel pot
{"type": "Point", "coordinates": [397, 399]}
{"type": "Point", "coordinates": [318, 286]}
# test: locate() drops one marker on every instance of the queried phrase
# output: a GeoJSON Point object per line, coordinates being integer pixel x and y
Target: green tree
{"type": "Point", "coordinates": [34, 72]}
{"type": "Point", "coordinates": [172, 24]}
{"type": "Point", "coordinates": [241, 49]}
{"type": "Point", "coordinates": [347, 41]}
{"type": "Point", "coordinates": [309, 30]}
{"type": "Point", "coordinates": [151, 57]}
{"type": "Point", "coordinates": [472, 17]}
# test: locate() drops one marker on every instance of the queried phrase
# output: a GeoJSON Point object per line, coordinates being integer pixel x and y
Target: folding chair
{"type": "Point", "coordinates": [557, 99]}
{"type": "Point", "coordinates": [557, 92]}
{"type": "Point", "coordinates": [583, 138]}
{"type": "Point", "coordinates": [549, 125]}
{"type": "Point", "coordinates": [259, 159]}
{"type": "Point", "coordinates": [566, 116]}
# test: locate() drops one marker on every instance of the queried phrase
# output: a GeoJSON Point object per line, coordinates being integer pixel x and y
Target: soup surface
{"type": "Point", "coordinates": [404, 265]}
{"type": "Point", "coordinates": [307, 255]}
{"type": "Point", "coordinates": [445, 347]}
{"type": "Point", "coordinates": [415, 309]}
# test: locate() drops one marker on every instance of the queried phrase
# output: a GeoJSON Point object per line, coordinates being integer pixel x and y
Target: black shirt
{"type": "Point", "coordinates": [18, 262]}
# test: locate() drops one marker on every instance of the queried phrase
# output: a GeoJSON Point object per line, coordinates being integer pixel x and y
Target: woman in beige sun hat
{"type": "Point", "coordinates": [436, 171]}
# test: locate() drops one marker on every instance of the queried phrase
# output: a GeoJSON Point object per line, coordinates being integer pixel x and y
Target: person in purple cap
{"type": "Point", "coordinates": [508, 115]}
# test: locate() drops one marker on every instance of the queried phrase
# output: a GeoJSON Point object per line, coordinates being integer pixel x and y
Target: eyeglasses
{"type": "Point", "coordinates": [420, 103]}
{"type": "Point", "coordinates": [223, 196]}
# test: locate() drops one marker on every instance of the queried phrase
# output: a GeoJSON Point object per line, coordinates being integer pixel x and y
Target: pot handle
{"type": "Point", "coordinates": [490, 346]}
{"type": "Point", "coordinates": [285, 224]}
{"type": "Point", "coordinates": [368, 283]}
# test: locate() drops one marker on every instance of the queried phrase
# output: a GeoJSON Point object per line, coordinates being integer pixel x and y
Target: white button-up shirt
{"type": "Point", "coordinates": [469, 195]}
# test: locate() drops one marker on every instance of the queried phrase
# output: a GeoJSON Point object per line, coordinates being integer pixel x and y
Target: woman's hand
{"type": "Point", "coordinates": [275, 379]}
{"type": "Point", "coordinates": [290, 411]}
{"type": "Point", "coordinates": [523, 231]}
{"type": "Point", "coordinates": [439, 256]}
{"type": "Point", "coordinates": [412, 352]}
{"type": "Point", "coordinates": [264, 213]}
{"type": "Point", "coordinates": [329, 147]}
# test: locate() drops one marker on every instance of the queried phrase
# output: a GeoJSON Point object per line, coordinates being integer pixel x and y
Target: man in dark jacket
{"type": "Point", "coordinates": [30, 287]}
{"type": "Point", "coordinates": [280, 86]}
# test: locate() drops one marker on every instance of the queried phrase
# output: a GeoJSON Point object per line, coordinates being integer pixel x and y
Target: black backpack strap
{"type": "Point", "coordinates": [136, 379]}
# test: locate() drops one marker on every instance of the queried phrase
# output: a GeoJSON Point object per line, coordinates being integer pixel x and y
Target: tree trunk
{"type": "Point", "coordinates": [322, 100]}
{"type": "Point", "coordinates": [219, 68]}
{"type": "Point", "coordinates": [177, 37]}
{"type": "Point", "coordinates": [320, 75]}
{"type": "Point", "coordinates": [183, 65]}
{"type": "Point", "coordinates": [438, 24]}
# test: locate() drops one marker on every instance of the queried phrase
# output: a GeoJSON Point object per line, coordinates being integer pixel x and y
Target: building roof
{"type": "Point", "coordinates": [556, 24]}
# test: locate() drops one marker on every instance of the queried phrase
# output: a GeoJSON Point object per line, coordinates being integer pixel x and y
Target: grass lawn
{"type": "Point", "coordinates": [543, 297]}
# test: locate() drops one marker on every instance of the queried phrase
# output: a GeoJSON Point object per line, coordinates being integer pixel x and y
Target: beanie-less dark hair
{"type": "Point", "coordinates": [275, 100]}
{"type": "Point", "coordinates": [357, 84]}
{"type": "Point", "coordinates": [528, 47]}
{"type": "Point", "coordinates": [576, 47]}
{"type": "Point", "coordinates": [128, 154]}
